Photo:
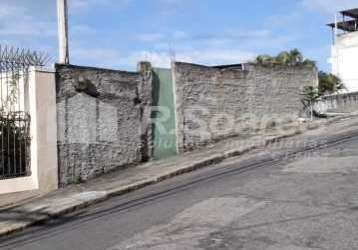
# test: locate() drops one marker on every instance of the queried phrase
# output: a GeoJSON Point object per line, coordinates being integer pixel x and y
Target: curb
{"type": "Point", "coordinates": [77, 202]}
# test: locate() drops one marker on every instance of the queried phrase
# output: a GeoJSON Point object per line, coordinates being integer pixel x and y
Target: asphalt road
{"type": "Point", "coordinates": [267, 199]}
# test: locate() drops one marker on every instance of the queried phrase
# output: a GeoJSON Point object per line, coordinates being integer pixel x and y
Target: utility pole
{"type": "Point", "coordinates": [335, 28]}
{"type": "Point", "coordinates": [62, 18]}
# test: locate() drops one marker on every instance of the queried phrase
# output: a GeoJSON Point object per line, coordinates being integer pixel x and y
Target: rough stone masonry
{"type": "Point", "coordinates": [104, 115]}
{"type": "Point", "coordinates": [213, 103]}
{"type": "Point", "coordinates": [102, 120]}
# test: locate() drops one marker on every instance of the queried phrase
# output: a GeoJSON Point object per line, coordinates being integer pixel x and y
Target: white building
{"type": "Point", "coordinates": [344, 57]}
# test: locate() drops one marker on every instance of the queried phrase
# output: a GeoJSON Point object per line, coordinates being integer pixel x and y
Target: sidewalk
{"type": "Point", "coordinates": [75, 197]}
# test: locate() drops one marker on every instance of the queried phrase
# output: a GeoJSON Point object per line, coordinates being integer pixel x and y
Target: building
{"type": "Point", "coordinates": [344, 55]}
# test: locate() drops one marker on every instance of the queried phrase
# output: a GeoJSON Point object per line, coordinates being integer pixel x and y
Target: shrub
{"type": "Point", "coordinates": [14, 142]}
{"type": "Point", "coordinates": [329, 83]}
{"type": "Point", "coordinates": [285, 58]}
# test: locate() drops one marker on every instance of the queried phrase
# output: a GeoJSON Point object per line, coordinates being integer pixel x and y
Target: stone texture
{"type": "Point", "coordinates": [103, 118]}
{"type": "Point", "coordinates": [341, 103]}
{"type": "Point", "coordinates": [215, 103]}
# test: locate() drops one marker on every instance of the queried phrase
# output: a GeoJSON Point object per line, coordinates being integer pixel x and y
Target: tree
{"type": "Point", "coordinates": [296, 57]}
{"type": "Point", "coordinates": [329, 83]}
{"type": "Point", "coordinates": [310, 96]}
{"type": "Point", "coordinates": [285, 58]}
{"type": "Point", "coordinates": [264, 60]}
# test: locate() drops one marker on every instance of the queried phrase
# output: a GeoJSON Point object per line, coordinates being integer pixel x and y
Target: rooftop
{"type": "Point", "coordinates": [351, 13]}
{"type": "Point", "coordinates": [350, 26]}
{"type": "Point", "coordinates": [349, 21]}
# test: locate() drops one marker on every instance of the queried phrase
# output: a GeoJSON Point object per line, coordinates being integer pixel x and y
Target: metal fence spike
{"type": "Point", "coordinates": [12, 56]}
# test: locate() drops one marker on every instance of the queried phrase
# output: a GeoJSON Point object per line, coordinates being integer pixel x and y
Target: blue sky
{"type": "Point", "coordinates": [118, 33]}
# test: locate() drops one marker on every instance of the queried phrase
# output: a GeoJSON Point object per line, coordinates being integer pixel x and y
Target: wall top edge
{"type": "Point", "coordinates": [71, 66]}
{"type": "Point", "coordinates": [46, 69]}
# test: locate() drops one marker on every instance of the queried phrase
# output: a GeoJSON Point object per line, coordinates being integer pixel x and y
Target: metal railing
{"type": "Point", "coordinates": [14, 117]}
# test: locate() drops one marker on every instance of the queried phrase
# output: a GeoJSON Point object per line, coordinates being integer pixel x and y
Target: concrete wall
{"type": "Point", "coordinates": [340, 103]}
{"type": "Point", "coordinates": [214, 103]}
{"type": "Point", "coordinates": [103, 120]}
{"type": "Point", "coordinates": [344, 60]}
{"type": "Point", "coordinates": [41, 105]}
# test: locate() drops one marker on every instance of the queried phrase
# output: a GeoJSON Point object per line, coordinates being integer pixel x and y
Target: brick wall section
{"type": "Point", "coordinates": [102, 120]}
{"type": "Point", "coordinates": [340, 103]}
{"type": "Point", "coordinates": [224, 101]}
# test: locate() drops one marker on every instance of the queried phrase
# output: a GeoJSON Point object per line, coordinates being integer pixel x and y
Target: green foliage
{"type": "Point", "coordinates": [14, 129]}
{"type": "Point", "coordinates": [329, 83]}
{"type": "Point", "coordinates": [8, 102]}
{"type": "Point", "coordinates": [285, 58]}
{"type": "Point", "coordinates": [15, 144]}
{"type": "Point", "coordinates": [310, 94]}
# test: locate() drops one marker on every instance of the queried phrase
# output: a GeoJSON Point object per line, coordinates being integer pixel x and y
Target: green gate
{"type": "Point", "coordinates": [163, 115]}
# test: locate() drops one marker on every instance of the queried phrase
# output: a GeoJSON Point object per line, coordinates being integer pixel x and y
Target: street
{"type": "Point", "coordinates": [178, 125]}
{"type": "Point", "coordinates": [267, 199]}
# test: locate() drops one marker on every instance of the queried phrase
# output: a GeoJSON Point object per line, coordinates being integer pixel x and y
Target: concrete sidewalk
{"type": "Point", "coordinates": [66, 200]}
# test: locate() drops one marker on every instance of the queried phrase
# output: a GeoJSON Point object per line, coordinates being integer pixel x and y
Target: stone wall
{"type": "Point", "coordinates": [102, 120]}
{"type": "Point", "coordinates": [340, 103]}
{"type": "Point", "coordinates": [217, 102]}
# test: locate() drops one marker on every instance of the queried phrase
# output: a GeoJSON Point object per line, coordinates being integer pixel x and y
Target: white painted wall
{"type": "Point", "coordinates": [40, 102]}
{"type": "Point", "coordinates": [344, 60]}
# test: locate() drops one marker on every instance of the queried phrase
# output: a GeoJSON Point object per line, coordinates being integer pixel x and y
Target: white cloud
{"type": "Point", "coordinates": [229, 47]}
{"type": "Point", "coordinates": [82, 29]}
{"type": "Point", "coordinates": [170, 7]}
{"type": "Point", "coordinates": [173, 2]}
{"type": "Point", "coordinates": [206, 57]}
{"type": "Point", "coordinates": [329, 6]}
{"type": "Point", "coordinates": [84, 5]}
{"type": "Point", "coordinates": [29, 29]}
{"type": "Point", "coordinates": [212, 40]}
{"type": "Point", "coordinates": [87, 3]}
{"type": "Point", "coordinates": [150, 37]}
{"type": "Point", "coordinates": [178, 35]}
{"type": "Point", "coordinates": [100, 57]}
{"type": "Point", "coordinates": [17, 20]}
{"type": "Point", "coordinates": [157, 37]}
{"type": "Point", "coordinates": [219, 57]}
{"type": "Point", "coordinates": [157, 59]}
{"type": "Point", "coordinates": [7, 11]}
